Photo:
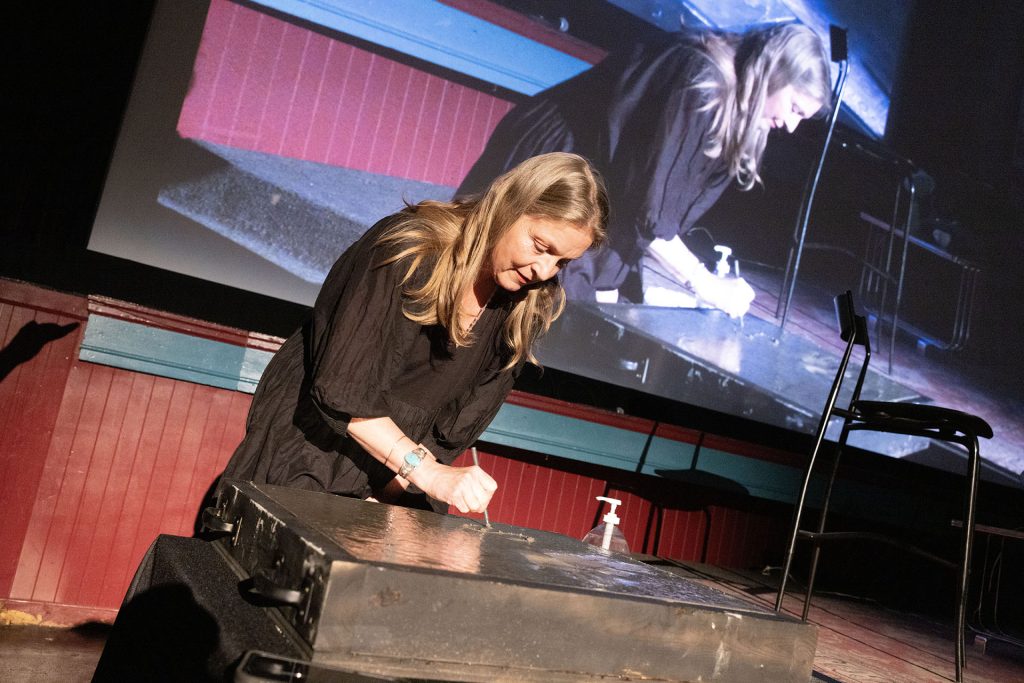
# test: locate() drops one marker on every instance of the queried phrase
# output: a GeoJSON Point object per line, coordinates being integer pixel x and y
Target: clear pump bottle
{"type": "Point", "coordinates": [607, 534]}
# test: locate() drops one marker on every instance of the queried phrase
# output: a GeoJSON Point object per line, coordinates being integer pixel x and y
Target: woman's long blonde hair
{"type": "Point", "coordinates": [741, 72]}
{"type": "Point", "coordinates": [455, 239]}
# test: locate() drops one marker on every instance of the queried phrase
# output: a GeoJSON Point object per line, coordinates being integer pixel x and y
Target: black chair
{"type": "Point", "coordinates": [898, 418]}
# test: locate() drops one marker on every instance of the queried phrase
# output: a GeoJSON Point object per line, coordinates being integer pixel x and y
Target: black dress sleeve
{"type": "Point", "coordinates": [458, 428]}
{"type": "Point", "coordinates": [682, 175]}
{"type": "Point", "coordinates": [357, 334]}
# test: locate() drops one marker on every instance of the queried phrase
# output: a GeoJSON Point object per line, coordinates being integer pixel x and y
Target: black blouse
{"type": "Point", "coordinates": [358, 355]}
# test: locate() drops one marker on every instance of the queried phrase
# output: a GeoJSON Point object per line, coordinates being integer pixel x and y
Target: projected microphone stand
{"type": "Point", "coordinates": [838, 47]}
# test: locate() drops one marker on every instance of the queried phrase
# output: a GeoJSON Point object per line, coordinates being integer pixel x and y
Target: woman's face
{"type": "Point", "coordinates": [787, 107]}
{"type": "Point", "coordinates": [534, 249]}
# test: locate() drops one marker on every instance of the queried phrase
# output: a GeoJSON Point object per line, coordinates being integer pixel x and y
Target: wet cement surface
{"type": "Point", "coordinates": [385, 534]}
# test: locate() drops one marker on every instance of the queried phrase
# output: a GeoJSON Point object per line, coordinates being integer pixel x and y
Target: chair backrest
{"type": "Point", "coordinates": [853, 329]}
{"type": "Point", "coordinates": [850, 323]}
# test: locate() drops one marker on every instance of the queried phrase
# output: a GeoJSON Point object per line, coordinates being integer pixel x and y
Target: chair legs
{"type": "Point", "coordinates": [816, 552]}
{"type": "Point", "coordinates": [797, 515]}
{"type": "Point", "coordinates": [967, 543]}
{"type": "Point", "coordinates": [963, 584]}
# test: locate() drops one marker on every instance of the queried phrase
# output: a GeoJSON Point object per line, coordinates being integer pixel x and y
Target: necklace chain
{"type": "Point", "coordinates": [479, 313]}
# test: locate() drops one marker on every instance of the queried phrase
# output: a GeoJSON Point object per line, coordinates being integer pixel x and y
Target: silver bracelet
{"type": "Point", "coordinates": [412, 460]}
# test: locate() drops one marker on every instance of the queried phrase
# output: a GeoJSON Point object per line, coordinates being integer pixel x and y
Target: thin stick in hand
{"type": "Point", "coordinates": [476, 461]}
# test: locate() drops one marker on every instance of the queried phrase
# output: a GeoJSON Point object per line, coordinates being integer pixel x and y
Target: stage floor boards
{"type": "Point", "coordinates": [863, 642]}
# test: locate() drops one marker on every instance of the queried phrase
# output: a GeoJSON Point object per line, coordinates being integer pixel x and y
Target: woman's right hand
{"type": "Point", "coordinates": [730, 294]}
{"type": "Point", "coordinates": [469, 489]}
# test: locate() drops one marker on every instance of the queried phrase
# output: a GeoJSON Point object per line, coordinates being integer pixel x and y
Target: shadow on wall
{"type": "Point", "coordinates": [29, 341]}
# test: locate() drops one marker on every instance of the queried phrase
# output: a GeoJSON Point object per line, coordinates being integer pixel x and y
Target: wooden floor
{"type": "Point", "coordinates": [30, 653]}
{"type": "Point", "coordinates": [861, 642]}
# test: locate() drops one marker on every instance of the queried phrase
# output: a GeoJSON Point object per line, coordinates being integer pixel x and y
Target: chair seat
{"type": "Point", "coordinates": [923, 416]}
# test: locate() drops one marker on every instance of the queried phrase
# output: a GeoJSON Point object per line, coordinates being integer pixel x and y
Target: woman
{"type": "Point", "coordinates": [669, 124]}
{"type": "Point", "coordinates": [416, 337]}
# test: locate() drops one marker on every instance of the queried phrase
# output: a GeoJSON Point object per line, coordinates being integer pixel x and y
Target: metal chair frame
{"type": "Point", "coordinates": [899, 418]}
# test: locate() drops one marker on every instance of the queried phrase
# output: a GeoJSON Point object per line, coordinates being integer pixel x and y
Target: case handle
{"type": "Point", "coordinates": [213, 522]}
{"type": "Point", "coordinates": [273, 593]}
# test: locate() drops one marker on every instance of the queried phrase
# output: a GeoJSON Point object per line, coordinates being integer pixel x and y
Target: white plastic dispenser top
{"type": "Point", "coordinates": [611, 517]}
{"type": "Point", "coordinates": [607, 534]}
{"type": "Point", "coordinates": [722, 268]}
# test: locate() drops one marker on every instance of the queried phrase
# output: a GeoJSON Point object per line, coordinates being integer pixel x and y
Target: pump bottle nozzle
{"type": "Point", "coordinates": [608, 530]}
{"type": "Point", "coordinates": [722, 267]}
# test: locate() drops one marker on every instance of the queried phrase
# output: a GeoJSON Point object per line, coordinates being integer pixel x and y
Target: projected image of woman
{"type": "Point", "coordinates": [416, 337]}
{"type": "Point", "coordinates": [669, 123]}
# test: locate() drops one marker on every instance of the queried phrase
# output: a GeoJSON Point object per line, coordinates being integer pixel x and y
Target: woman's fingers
{"type": "Point", "coordinates": [473, 490]}
{"type": "Point", "coordinates": [485, 480]}
{"type": "Point", "coordinates": [469, 489]}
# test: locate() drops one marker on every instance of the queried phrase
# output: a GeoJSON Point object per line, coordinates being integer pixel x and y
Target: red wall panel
{"type": "Point", "coordinates": [133, 457]}
{"type": "Point", "coordinates": [96, 461]}
{"type": "Point", "coordinates": [30, 396]}
{"type": "Point", "coordinates": [564, 502]}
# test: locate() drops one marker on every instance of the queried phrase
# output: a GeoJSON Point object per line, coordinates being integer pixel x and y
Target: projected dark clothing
{"type": "Point", "coordinates": [358, 355]}
{"type": "Point", "coordinates": [633, 117]}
